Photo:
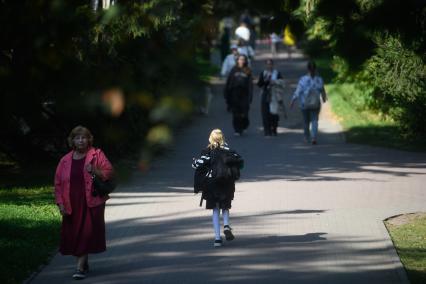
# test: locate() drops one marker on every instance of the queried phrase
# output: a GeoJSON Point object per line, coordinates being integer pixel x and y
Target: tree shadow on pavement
{"type": "Point", "coordinates": [327, 162]}
{"type": "Point", "coordinates": [283, 158]}
{"type": "Point", "coordinates": [178, 250]}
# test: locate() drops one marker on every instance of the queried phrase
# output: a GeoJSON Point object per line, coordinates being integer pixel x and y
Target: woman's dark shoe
{"type": "Point", "coordinates": [86, 267]}
{"type": "Point", "coordinates": [228, 233]}
{"type": "Point", "coordinates": [79, 275]}
{"type": "Point", "coordinates": [217, 243]}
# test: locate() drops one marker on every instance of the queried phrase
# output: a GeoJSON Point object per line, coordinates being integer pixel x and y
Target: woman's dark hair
{"type": "Point", "coordinates": [245, 68]}
{"type": "Point", "coordinates": [269, 60]}
{"type": "Point", "coordinates": [312, 66]}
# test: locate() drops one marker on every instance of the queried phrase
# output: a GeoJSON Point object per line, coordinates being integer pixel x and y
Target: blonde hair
{"type": "Point", "coordinates": [80, 130]}
{"type": "Point", "coordinates": [216, 139]}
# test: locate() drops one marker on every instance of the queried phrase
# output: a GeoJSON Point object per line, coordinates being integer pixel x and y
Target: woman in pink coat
{"type": "Point", "coordinates": [83, 223]}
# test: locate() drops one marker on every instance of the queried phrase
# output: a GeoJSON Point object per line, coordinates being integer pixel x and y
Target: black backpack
{"type": "Point", "coordinates": [225, 165]}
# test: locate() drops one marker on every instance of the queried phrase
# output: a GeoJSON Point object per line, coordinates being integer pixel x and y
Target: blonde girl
{"type": "Point", "coordinates": [218, 190]}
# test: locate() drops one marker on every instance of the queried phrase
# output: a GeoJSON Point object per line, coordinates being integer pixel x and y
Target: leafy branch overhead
{"type": "Point", "coordinates": [377, 45]}
{"type": "Point", "coordinates": [69, 62]}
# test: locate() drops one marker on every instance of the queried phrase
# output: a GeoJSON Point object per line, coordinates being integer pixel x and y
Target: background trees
{"type": "Point", "coordinates": [135, 67]}
{"type": "Point", "coordinates": [120, 71]}
{"type": "Point", "coordinates": [379, 46]}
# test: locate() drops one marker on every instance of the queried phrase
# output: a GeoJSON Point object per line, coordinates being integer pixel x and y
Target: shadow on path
{"type": "Point", "coordinates": [157, 234]}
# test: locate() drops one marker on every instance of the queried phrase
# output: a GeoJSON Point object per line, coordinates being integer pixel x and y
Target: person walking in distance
{"type": "Point", "coordinates": [215, 173]}
{"type": "Point", "coordinates": [244, 49]}
{"type": "Point", "coordinates": [266, 79]}
{"type": "Point", "coordinates": [274, 39]}
{"type": "Point", "coordinates": [239, 94]}
{"type": "Point", "coordinates": [230, 61]}
{"type": "Point", "coordinates": [309, 91]}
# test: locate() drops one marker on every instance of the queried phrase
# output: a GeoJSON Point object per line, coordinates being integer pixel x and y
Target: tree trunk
{"type": "Point", "coordinates": [94, 4]}
{"type": "Point", "coordinates": [106, 4]}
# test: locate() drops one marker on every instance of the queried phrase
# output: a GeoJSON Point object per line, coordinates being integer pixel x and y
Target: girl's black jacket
{"type": "Point", "coordinates": [213, 190]}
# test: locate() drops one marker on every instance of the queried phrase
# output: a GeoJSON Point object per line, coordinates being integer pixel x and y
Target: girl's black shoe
{"type": "Point", "coordinates": [217, 243]}
{"type": "Point", "coordinates": [79, 275]}
{"type": "Point", "coordinates": [228, 233]}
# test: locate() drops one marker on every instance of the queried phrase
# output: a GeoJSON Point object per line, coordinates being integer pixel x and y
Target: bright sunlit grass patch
{"type": "Point", "coordinates": [363, 125]}
{"type": "Point", "coordinates": [29, 226]}
{"type": "Point", "coordinates": [409, 238]}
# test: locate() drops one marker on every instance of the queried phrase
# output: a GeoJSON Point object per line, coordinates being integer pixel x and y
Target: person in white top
{"type": "Point", "coordinates": [275, 39]}
{"type": "Point", "coordinates": [230, 61]}
{"type": "Point", "coordinates": [245, 49]}
{"type": "Point", "coordinates": [309, 92]}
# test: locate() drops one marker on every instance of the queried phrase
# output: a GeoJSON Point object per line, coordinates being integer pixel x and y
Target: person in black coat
{"type": "Point", "coordinates": [266, 78]}
{"type": "Point", "coordinates": [217, 181]}
{"type": "Point", "coordinates": [239, 94]}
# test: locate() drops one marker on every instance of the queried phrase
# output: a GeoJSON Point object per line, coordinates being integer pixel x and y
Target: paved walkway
{"type": "Point", "coordinates": [302, 214]}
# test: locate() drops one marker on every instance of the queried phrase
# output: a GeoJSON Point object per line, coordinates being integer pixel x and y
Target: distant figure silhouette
{"type": "Point", "coordinates": [230, 61]}
{"type": "Point", "coordinates": [266, 80]}
{"type": "Point", "coordinates": [309, 91]}
{"type": "Point", "coordinates": [239, 94]}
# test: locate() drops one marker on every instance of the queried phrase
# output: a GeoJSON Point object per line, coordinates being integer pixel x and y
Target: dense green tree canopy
{"type": "Point", "coordinates": [380, 46]}
{"type": "Point", "coordinates": [59, 58]}
{"type": "Point", "coordinates": [134, 67]}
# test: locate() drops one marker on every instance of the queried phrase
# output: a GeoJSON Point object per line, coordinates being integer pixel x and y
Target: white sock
{"type": "Point", "coordinates": [216, 223]}
{"type": "Point", "coordinates": [225, 216]}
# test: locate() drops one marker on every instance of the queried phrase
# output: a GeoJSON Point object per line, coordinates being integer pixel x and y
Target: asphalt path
{"type": "Point", "coordinates": [302, 213]}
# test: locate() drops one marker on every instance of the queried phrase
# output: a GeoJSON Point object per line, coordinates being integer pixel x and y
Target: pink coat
{"type": "Point", "coordinates": [62, 178]}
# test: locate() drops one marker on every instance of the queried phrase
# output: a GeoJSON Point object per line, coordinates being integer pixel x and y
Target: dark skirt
{"type": "Point", "coordinates": [221, 204]}
{"type": "Point", "coordinates": [240, 105]}
{"type": "Point", "coordinates": [83, 231]}
{"type": "Point", "coordinates": [240, 121]}
{"type": "Point", "coordinates": [219, 195]}
{"type": "Point", "coordinates": [270, 121]}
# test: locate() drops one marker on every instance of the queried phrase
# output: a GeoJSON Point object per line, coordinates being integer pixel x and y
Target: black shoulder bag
{"type": "Point", "coordinates": [101, 187]}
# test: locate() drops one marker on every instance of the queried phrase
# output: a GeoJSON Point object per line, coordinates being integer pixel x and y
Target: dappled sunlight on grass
{"type": "Point", "coordinates": [410, 242]}
{"type": "Point", "coordinates": [365, 126]}
{"type": "Point", "coordinates": [29, 226]}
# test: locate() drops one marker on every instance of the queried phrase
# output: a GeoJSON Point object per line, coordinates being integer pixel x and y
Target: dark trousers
{"type": "Point", "coordinates": [310, 118]}
{"type": "Point", "coordinates": [266, 117]}
{"type": "Point", "coordinates": [274, 118]}
{"type": "Point", "coordinates": [240, 121]}
{"type": "Point", "coordinates": [269, 120]}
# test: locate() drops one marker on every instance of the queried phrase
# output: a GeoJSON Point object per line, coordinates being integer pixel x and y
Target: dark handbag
{"type": "Point", "coordinates": [102, 188]}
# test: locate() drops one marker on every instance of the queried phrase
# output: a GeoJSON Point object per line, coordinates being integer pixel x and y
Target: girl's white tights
{"type": "Point", "coordinates": [216, 221]}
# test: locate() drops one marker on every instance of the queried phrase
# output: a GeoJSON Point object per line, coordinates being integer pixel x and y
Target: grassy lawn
{"type": "Point", "coordinates": [409, 239]}
{"type": "Point", "coordinates": [29, 226]}
{"type": "Point", "coordinates": [362, 125]}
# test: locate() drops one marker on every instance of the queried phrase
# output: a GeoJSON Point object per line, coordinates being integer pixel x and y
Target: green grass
{"type": "Point", "coordinates": [29, 226]}
{"type": "Point", "coordinates": [323, 65]}
{"type": "Point", "coordinates": [410, 242]}
{"type": "Point", "coordinates": [364, 126]}
{"type": "Point", "coordinates": [361, 124]}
